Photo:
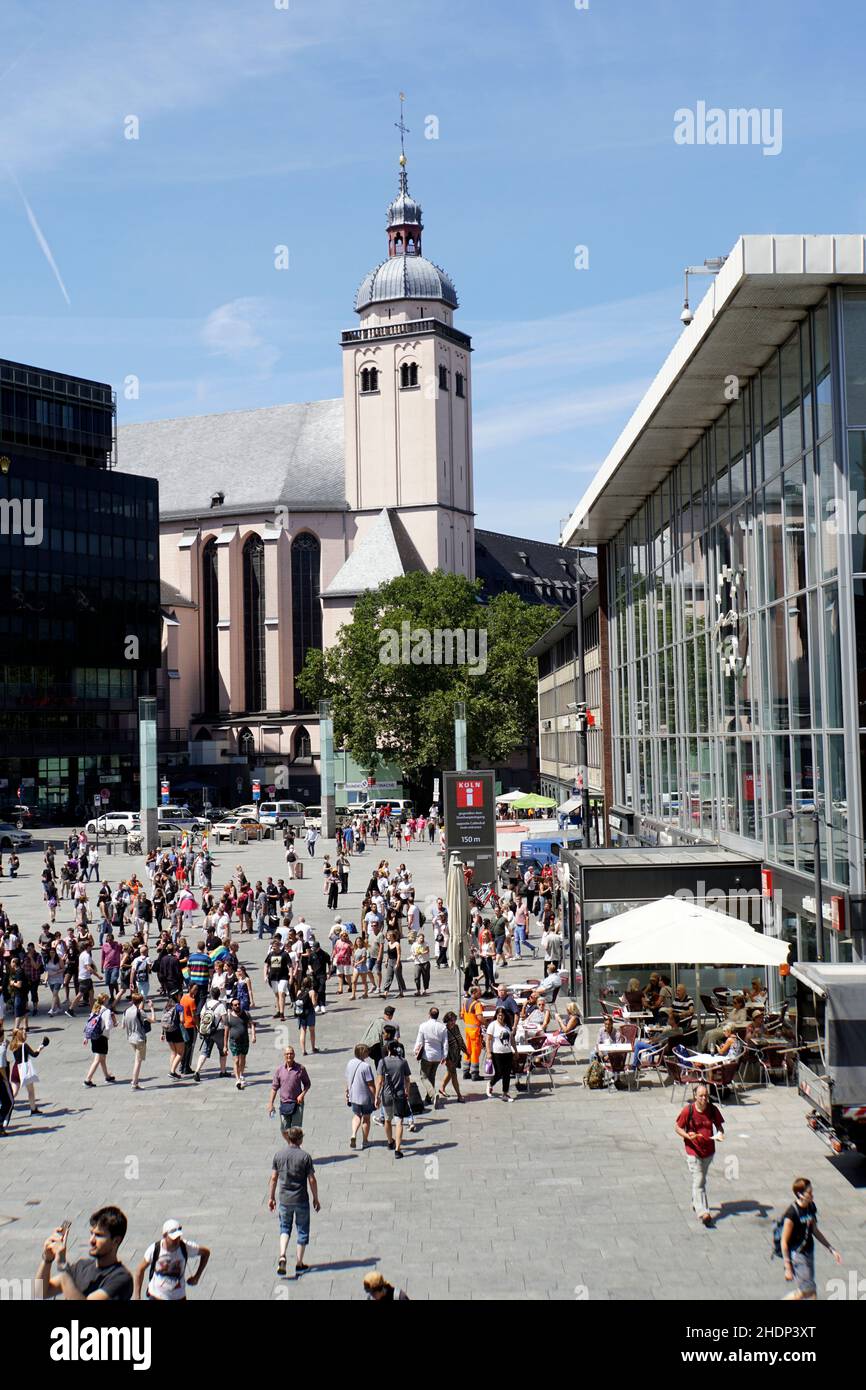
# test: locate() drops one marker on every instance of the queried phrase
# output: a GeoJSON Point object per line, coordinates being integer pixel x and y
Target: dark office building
{"type": "Point", "coordinates": [79, 596]}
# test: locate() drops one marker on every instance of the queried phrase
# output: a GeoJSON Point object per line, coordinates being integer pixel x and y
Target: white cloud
{"type": "Point", "coordinates": [232, 330]}
{"type": "Point", "coordinates": [542, 416]}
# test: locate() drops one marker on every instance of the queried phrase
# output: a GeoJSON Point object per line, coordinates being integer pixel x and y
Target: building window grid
{"type": "Point", "coordinates": [755, 441]}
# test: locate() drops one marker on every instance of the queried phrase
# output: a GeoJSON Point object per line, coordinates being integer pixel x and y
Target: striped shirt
{"type": "Point", "coordinates": [199, 968]}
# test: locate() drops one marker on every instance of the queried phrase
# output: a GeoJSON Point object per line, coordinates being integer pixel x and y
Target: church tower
{"type": "Point", "coordinates": [407, 393]}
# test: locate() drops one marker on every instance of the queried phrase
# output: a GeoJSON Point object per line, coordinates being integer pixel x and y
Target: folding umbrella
{"type": "Point", "coordinates": [457, 903]}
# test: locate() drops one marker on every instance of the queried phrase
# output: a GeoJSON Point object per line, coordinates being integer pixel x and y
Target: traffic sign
{"type": "Point", "coordinates": [257, 790]}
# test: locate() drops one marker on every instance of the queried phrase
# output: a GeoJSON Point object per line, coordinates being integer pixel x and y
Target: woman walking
{"type": "Point", "coordinates": [305, 1012]}
{"type": "Point", "coordinates": [333, 890]}
{"type": "Point", "coordinates": [54, 969]}
{"type": "Point", "coordinates": [96, 1031]}
{"type": "Point", "coordinates": [22, 1055]}
{"type": "Point", "coordinates": [456, 1050]}
{"type": "Point", "coordinates": [341, 958]}
{"type": "Point", "coordinates": [172, 1034]}
{"type": "Point", "coordinates": [393, 964]}
{"type": "Point", "coordinates": [421, 960]}
{"type": "Point", "coordinates": [500, 1053]}
{"type": "Point", "coordinates": [487, 947]}
{"type": "Point", "coordinates": [360, 966]}
{"type": "Point", "coordinates": [240, 1032]}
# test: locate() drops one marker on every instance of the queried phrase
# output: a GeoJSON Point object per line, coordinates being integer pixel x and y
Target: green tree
{"type": "Point", "coordinates": [387, 707]}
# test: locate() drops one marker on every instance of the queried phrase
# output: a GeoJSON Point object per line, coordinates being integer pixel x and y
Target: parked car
{"type": "Point", "coordinates": [282, 814]}
{"type": "Point", "coordinates": [19, 815]}
{"type": "Point", "coordinates": [313, 817]}
{"type": "Point", "coordinates": [251, 810]}
{"type": "Point", "coordinates": [399, 806]}
{"type": "Point", "coordinates": [222, 830]}
{"type": "Point", "coordinates": [114, 823]}
{"type": "Point", "coordinates": [13, 838]}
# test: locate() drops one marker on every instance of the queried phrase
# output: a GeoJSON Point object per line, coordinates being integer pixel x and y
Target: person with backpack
{"type": "Point", "coordinates": [165, 1263]}
{"type": "Point", "coordinates": [137, 1026]}
{"type": "Point", "coordinates": [304, 1009]}
{"type": "Point", "coordinates": [794, 1236]}
{"type": "Point", "coordinates": [96, 1031]}
{"type": "Point", "coordinates": [211, 1032]}
{"type": "Point", "coordinates": [172, 1033]}
{"type": "Point", "coordinates": [695, 1125]}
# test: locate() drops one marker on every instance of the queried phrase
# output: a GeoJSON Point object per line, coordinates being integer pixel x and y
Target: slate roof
{"type": "Point", "coordinates": [285, 454]}
{"type": "Point", "coordinates": [546, 575]}
{"type": "Point", "coordinates": [385, 553]}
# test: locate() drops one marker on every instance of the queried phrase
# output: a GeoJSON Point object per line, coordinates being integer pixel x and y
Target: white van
{"type": "Point", "coordinates": [282, 814]}
{"type": "Point", "coordinates": [398, 806]}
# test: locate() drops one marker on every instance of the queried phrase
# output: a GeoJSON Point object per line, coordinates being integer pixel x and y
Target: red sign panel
{"type": "Point", "coordinates": [470, 792]}
{"type": "Point", "coordinates": [767, 883]}
{"type": "Point", "coordinates": [837, 913]}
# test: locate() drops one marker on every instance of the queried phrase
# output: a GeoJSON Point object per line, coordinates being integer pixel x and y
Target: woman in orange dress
{"type": "Point", "coordinates": [472, 1015]}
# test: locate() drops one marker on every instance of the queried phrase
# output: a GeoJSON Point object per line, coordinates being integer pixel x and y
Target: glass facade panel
{"type": "Point", "coordinates": [727, 644]}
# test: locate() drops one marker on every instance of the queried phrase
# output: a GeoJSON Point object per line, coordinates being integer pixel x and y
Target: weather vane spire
{"type": "Point", "coordinates": [404, 130]}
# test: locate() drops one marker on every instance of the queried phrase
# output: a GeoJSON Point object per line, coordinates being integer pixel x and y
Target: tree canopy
{"type": "Point", "coordinates": [411, 649]}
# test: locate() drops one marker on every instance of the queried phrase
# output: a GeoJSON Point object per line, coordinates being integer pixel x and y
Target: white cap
{"type": "Point", "coordinates": [172, 1229]}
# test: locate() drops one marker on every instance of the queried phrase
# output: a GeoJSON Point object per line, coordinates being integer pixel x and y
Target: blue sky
{"type": "Point", "coordinates": [261, 126]}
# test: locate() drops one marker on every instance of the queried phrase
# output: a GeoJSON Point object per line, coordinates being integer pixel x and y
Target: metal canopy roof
{"type": "Point", "coordinates": [765, 288]}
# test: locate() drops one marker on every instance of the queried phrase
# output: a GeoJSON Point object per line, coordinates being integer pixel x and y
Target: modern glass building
{"type": "Point", "coordinates": [79, 596]}
{"type": "Point", "coordinates": [731, 517]}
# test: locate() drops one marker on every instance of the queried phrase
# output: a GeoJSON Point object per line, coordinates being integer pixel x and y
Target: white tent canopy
{"type": "Point", "coordinates": [573, 804]}
{"type": "Point", "coordinates": [511, 796]}
{"type": "Point", "coordinates": [662, 911]}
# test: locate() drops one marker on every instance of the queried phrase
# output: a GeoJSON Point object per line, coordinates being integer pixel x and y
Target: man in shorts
{"type": "Point", "coordinates": [86, 972]}
{"type": "Point", "coordinates": [136, 1033]}
{"type": "Point", "coordinates": [392, 1092]}
{"type": "Point", "coordinates": [213, 1021]}
{"type": "Point", "coordinates": [276, 972]}
{"type": "Point", "coordinates": [294, 1171]}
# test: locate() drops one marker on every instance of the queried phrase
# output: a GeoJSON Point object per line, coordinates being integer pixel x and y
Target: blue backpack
{"type": "Point", "coordinates": [93, 1028]}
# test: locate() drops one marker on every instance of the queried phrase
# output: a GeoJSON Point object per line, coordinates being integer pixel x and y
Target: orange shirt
{"type": "Point", "coordinates": [473, 1016]}
{"type": "Point", "coordinates": [187, 1003]}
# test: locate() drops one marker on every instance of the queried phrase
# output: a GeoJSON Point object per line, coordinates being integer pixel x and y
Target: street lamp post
{"type": "Point", "coordinates": [461, 761]}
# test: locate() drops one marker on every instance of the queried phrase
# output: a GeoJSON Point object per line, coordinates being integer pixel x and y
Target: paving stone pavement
{"type": "Point", "coordinates": [567, 1194]}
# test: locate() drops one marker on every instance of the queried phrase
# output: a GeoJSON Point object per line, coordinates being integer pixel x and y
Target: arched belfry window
{"type": "Point", "coordinates": [408, 375]}
{"type": "Point", "coordinates": [369, 380]}
{"type": "Point", "coordinates": [254, 623]}
{"type": "Point", "coordinates": [209, 619]}
{"type": "Point", "coordinates": [306, 607]}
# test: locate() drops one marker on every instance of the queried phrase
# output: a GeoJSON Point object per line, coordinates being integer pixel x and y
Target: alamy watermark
{"type": "Point", "coordinates": [22, 518]}
{"type": "Point", "coordinates": [712, 125]}
{"type": "Point", "coordinates": [423, 646]}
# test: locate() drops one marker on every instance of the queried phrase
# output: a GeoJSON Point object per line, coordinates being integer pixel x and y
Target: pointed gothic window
{"type": "Point", "coordinates": [460, 384]}
{"type": "Point", "coordinates": [443, 378]}
{"type": "Point", "coordinates": [408, 375]}
{"type": "Point", "coordinates": [209, 618]}
{"type": "Point", "coordinates": [246, 744]}
{"type": "Point", "coordinates": [254, 622]}
{"type": "Point", "coordinates": [306, 607]}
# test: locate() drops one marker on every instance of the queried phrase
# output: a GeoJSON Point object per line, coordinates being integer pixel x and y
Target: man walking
{"type": "Point", "coordinates": [291, 1083]}
{"type": "Point", "coordinates": [311, 837]}
{"type": "Point", "coordinates": [695, 1125]}
{"type": "Point", "coordinates": [294, 1171]}
{"type": "Point", "coordinates": [797, 1242]}
{"type": "Point", "coordinates": [165, 1263]}
{"type": "Point", "coordinates": [431, 1048]}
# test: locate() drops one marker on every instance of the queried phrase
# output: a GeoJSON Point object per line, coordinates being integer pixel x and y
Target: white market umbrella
{"type": "Point", "coordinates": [697, 936]}
{"type": "Point", "coordinates": [661, 911]}
{"type": "Point", "coordinates": [457, 903]}
{"type": "Point", "coordinates": [511, 796]}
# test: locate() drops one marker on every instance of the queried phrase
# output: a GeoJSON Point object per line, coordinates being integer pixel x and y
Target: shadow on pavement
{"type": "Point", "coordinates": [742, 1208]}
